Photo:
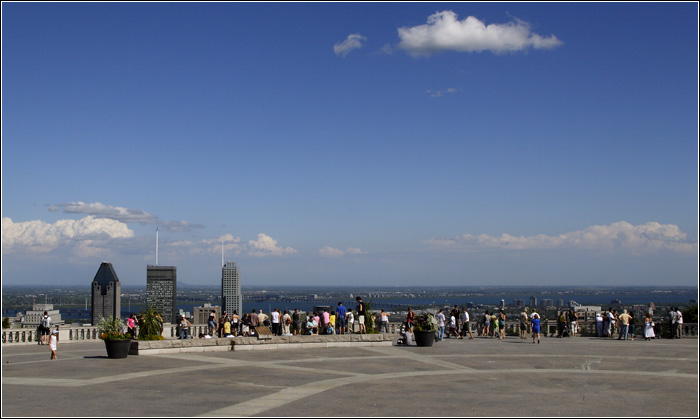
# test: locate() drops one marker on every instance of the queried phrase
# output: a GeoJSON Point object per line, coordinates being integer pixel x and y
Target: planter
{"type": "Point", "coordinates": [117, 348]}
{"type": "Point", "coordinates": [424, 338]}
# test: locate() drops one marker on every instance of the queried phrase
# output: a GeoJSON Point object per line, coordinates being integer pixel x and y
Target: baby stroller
{"type": "Point", "coordinates": [565, 332]}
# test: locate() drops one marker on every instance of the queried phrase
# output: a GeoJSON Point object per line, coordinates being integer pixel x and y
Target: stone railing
{"type": "Point", "coordinates": [66, 333]}
{"type": "Point", "coordinates": [70, 333]}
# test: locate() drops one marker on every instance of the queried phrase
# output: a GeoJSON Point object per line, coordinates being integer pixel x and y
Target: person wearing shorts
{"type": "Point", "coordinates": [361, 314]}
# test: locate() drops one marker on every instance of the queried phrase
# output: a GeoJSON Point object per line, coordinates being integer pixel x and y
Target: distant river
{"type": "Point", "coordinates": [391, 304]}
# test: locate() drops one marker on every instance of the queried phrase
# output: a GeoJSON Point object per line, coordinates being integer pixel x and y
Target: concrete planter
{"type": "Point", "coordinates": [117, 349]}
{"type": "Point", "coordinates": [424, 338]}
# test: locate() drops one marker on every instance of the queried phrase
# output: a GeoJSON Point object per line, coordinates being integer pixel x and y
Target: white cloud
{"type": "Point", "coordinates": [332, 252]}
{"type": "Point", "coordinates": [125, 215]}
{"type": "Point", "coordinates": [353, 41]}
{"type": "Point", "coordinates": [620, 236]}
{"type": "Point", "coordinates": [267, 246]}
{"type": "Point", "coordinates": [439, 93]}
{"type": "Point", "coordinates": [41, 237]}
{"type": "Point", "coordinates": [444, 32]}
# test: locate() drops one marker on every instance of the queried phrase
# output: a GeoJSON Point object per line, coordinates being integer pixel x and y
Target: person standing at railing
{"type": "Point", "coordinates": [410, 318]}
{"type": "Point", "coordinates": [361, 314]}
{"type": "Point", "coordinates": [340, 315]}
{"type": "Point", "coordinates": [45, 328]}
{"type": "Point", "coordinates": [624, 325]}
{"type": "Point", "coordinates": [184, 328]}
{"type": "Point", "coordinates": [535, 327]}
{"type": "Point", "coordinates": [235, 320]}
{"type": "Point", "coordinates": [501, 325]}
{"type": "Point", "coordinates": [648, 327]}
{"type": "Point", "coordinates": [466, 327]}
{"type": "Point", "coordinates": [679, 323]}
{"type": "Point", "coordinates": [131, 326]}
{"type": "Point", "coordinates": [212, 323]}
{"type": "Point", "coordinates": [523, 323]}
{"type": "Point", "coordinates": [440, 324]}
{"type": "Point", "coordinates": [286, 323]}
{"type": "Point", "coordinates": [630, 332]}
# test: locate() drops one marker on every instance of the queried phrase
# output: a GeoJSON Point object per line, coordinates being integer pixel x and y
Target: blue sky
{"type": "Point", "coordinates": [351, 143]}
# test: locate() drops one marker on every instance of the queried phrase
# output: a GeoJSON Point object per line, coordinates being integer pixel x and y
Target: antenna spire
{"type": "Point", "coordinates": [156, 246]}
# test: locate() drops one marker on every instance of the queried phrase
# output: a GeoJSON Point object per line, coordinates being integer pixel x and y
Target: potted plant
{"type": "Point", "coordinates": [150, 325]}
{"type": "Point", "coordinates": [424, 329]}
{"type": "Point", "coordinates": [117, 342]}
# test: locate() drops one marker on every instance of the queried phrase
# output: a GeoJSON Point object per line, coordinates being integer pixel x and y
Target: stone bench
{"type": "Point", "coordinates": [155, 347]}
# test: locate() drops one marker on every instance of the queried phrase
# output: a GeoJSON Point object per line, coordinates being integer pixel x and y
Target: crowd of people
{"type": "Point", "coordinates": [609, 324]}
{"type": "Point", "coordinates": [285, 323]}
{"type": "Point", "coordinates": [453, 324]}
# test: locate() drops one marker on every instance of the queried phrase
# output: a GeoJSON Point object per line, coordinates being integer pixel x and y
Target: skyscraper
{"type": "Point", "coordinates": [231, 296]}
{"type": "Point", "coordinates": [161, 290]}
{"type": "Point", "coordinates": [106, 293]}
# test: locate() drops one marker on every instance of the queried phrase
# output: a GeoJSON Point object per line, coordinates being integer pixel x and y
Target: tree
{"type": "Point", "coordinates": [6, 322]}
{"type": "Point", "coordinates": [690, 315]}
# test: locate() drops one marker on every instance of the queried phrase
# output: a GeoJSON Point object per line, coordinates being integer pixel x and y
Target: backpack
{"type": "Point", "coordinates": [45, 322]}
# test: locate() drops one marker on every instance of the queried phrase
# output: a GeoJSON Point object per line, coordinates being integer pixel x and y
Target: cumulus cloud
{"type": "Point", "coordinates": [332, 252]}
{"type": "Point", "coordinates": [125, 215]}
{"type": "Point", "coordinates": [353, 41]}
{"type": "Point", "coordinates": [40, 237]}
{"type": "Point", "coordinates": [267, 246]}
{"type": "Point", "coordinates": [444, 32]}
{"type": "Point", "coordinates": [620, 236]}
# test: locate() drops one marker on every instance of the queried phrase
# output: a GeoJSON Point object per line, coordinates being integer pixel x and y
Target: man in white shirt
{"type": "Point", "coordinates": [679, 323]}
{"type": "Point", "coordinates": [466, 327]}
{"type": "Point", "coordinates": [441, 324]}
{"type": "Point", "coordinates": [275, 319]}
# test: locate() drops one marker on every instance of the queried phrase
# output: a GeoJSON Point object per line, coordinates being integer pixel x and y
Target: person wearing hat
{"type": "Point", "coordinates": [184, 328]}
{"type": "Point", "coordinates": [624, 324]}
{"type": "Point", "coordinates": [53, 343]}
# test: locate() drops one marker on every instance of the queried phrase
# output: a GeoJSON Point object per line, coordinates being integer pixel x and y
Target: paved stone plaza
{"type": "Point", "coordinates": [480, 377]}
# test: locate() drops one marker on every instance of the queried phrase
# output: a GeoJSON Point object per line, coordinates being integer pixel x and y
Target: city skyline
{"type": "Point", "coordinates": [352, 144]}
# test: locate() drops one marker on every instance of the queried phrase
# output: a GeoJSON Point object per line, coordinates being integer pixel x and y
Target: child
{"type": "Point", "coordinates": [53, 343]}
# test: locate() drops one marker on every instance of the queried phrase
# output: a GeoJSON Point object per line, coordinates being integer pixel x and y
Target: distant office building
{"type": "Point", "coordinates": [201, 314]}
{"type": "Point", "coordinates": [560, 303]}
{"type": "Point", "coordinates": [232, 298]}
{"type": "Point", "coordinates": [503, 304]}
{"type": "Point", "coordinates": [518, 302]}
{"type": "Point", "coordinates": [546, 302]}
{"type": "Point", "coordinates": [33, 316]}
{"type": "Point", "coordinates": [161, 290]}
{"type": "Point", "coordinates": [106, 294]}
{"type": "Point", "coordinates": [533, 301]}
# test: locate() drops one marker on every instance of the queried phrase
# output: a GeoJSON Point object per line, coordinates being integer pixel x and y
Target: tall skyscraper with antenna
{"type": "Point", "coordinates": [231, 296]}
{"type": "Point", "coordinates": [161, 289]}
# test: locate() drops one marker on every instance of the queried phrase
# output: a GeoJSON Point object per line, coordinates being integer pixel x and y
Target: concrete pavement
{"type": "Point", "coordinates": [479, 377]}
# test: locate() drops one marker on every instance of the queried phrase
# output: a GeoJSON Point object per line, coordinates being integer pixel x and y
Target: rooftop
{"type": "Point", "coordinates": [480, 377]}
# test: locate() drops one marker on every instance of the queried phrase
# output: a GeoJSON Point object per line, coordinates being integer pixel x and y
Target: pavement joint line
{"type": "Point", "coordinates": [271, 401]}
{"type": "Point", "coordinates": [275, 365]}
{"type": "Point", "coordinates": [413, 356]}
{"type": "Point", "coordinates": [65, 382]}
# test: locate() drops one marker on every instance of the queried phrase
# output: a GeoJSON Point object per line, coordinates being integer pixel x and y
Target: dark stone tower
{"type": "Point", "coordinates": [106, 293]}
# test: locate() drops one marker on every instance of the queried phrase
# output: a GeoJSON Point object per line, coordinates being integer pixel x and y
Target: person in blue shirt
{"type": "Point", "coordinates": [535, 327]}
{"type": "Point", "coordinates": [340, 318]}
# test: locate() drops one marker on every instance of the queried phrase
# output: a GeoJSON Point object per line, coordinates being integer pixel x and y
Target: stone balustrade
{"type": "Point", "coordinates": [69, 333]}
